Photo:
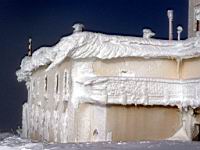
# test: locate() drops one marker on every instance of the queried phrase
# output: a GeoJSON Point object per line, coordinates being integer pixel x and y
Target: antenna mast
{"type": "Point", "coordinates": [170, 17]}
{"type": "Point", "coordinates": [30, 47]}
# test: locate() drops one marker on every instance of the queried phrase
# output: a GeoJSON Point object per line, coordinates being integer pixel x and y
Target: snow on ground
{"type": "Point", "coordinates": [12, 142]}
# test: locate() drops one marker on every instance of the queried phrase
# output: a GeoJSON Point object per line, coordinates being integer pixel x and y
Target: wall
{"type": "Point", "coordinates": [48, 119]}
{"type": "Point", "coordinates": [142, 122]}
{"type": "Point", "coordinates": [152, 68]}
{"type": "Point", "coordinates": [137, 67]}
{"type": "Point", "coordinates": [91, 122]}
{"type": "Point", "coordinates": [190, 68]}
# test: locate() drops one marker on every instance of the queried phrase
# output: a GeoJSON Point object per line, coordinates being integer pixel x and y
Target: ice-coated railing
{"type": "Point", "coordinates": [145, 91]}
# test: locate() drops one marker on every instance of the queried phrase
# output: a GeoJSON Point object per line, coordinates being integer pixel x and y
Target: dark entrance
{"type": "Point", "coordinates": [197, 131]}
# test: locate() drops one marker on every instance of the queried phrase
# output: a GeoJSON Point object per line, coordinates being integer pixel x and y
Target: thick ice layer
{"type": "Point", "coordinates": [144, 91]}
{"type": "Point", "coordinates": [102, 46]}
{"type": "Point", "coordinates": [197, 12]}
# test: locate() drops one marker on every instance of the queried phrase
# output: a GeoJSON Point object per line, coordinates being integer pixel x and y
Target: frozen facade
{"type": "Point", "coordinates": [98, 87]}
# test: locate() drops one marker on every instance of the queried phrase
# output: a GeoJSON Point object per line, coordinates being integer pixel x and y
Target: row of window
{"type": "Point", "coordinates": [35, 83]}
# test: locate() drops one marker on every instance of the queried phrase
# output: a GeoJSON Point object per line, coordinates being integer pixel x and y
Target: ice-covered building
{"type": "Point", "coordinates": [98, 87]}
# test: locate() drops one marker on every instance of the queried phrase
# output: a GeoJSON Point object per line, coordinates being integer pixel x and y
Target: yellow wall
{"type": "Point", "coordinates": [128, 123]}
{"type": "Point", "coordinates": [191, 68]}
{"type": "Point", "coordinates": [138, 67]}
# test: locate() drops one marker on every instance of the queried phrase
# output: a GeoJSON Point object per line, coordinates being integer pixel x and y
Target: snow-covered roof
{"type": "Point", "coordinates": [103, 46]}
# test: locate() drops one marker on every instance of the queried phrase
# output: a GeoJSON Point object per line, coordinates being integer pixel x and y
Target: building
{"type": "Point", "coordinates": [98, 87]}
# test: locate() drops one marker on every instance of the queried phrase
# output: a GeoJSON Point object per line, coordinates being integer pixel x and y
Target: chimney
{"type": "Point", "coordinates": [147, 33]}
{"type": "Point", "coordinates": [30, 47]}
{"type": "Point", "coordinates": [170, 17]}
{"type": "Point", "coordinates": [78, 27]}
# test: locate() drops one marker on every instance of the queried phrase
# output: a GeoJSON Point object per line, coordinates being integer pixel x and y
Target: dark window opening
{"type": "Point", "coordinates": [65, 105]}
{"type": "Point", "coordinates": [65, 83]}
{"type": "Point", "coordinates": [197, 131]}
{"type": "Point", "coordinates": [45, 83]}
{"type": "Point", "coordinates": [57, 79]}
{"type": "Point", "coordinates": [197, 25]}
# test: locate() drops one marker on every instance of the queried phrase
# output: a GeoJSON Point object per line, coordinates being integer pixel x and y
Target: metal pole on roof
{"type": "Point", "coordinates": [170, 18]}
{"type": "Point", "coordinates": [179, 30]}
{"type": "Point", "coordinates": [29, 47]}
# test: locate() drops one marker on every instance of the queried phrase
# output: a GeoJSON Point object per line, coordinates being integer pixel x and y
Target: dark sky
{"type": "Point", "coordinates": [46, 21]}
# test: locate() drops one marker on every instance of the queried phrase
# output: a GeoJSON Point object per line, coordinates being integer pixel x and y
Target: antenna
{"type": "Point", "coordinates": [170, 17]}
{"type": "Point", "coordinates": [29, 47]}
{"type": "Point", "coordinates": [179, 30]}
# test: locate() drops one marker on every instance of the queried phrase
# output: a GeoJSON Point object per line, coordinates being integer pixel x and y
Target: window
{"type": "Point", "coordinates": [197, 25]}
{"type": "Point", "coordinates": [66, 86]}
{"type": "Point", "coordinates": [56, 84]}
{"type": "Point", "coordinates": [65, 82]}
{"type": "Point", "coordinates": [196, 132]}
{"type": "Point", "coordinates": [45, 83]}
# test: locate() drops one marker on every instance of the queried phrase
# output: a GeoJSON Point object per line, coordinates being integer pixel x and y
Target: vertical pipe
{"type": "Point", "coordinates": [179, 36]}
{"type": "Point", "coordinates": [170, 18]}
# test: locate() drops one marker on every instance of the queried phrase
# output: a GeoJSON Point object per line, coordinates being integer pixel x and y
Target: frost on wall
{"type": "Point", "coordinates": [66, 88]}
{"type": "Point", "coordinates": [25, 121]}
{"type": "Point", "coordinates": [44, 122]}
{"type": "Point", "coordinates": [197, 12]}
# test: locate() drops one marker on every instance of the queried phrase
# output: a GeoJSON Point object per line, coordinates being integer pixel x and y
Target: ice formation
{"type": "Point", "coordinates": [128, 90]}
{"type": "Point", "coordinates": [147, 33]}
{"type": "Point", "coordinates": [78, 27]}
{"type": "Point", "coordinates": [97, 45]}
{"type": "Point", "coordinates": [197, 12]}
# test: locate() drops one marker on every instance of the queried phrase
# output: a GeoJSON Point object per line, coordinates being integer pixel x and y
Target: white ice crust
{"type": "Point", "coordinates": [102, 46]}
{"type": "Point", "coordinates": [138, 91]}
{"type": "Point", "coordinates": [197, 12]}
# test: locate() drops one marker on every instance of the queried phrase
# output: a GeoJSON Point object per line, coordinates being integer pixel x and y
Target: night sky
{"type": "Point", "coordinates": [46, 21]}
